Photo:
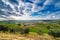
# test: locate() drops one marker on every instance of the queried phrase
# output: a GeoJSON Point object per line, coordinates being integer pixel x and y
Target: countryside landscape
{"type": "Point", "coordinates": [29, 19]}
{"type": "Point", "coordinates": [30, 30]}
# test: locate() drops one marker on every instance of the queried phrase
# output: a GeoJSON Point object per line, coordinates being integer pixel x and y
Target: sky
{"type": "Point", "coordinates": [29, 9]}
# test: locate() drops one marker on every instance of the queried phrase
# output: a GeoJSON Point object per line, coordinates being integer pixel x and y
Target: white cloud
{"type": "Point", "coordinates": [2, 19]}
{"type": "Point", "coordinates": [27, 9]}
{"type": "Point", "coordinates": [54, 15]}
{"type": "Point", "coordinates": [35, 1]}
{"type": "Point", "coordinates": [48, 2]}
{"type": "Point", "coordinates": [8, 3]}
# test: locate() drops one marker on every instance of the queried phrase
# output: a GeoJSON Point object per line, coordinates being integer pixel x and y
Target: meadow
{"type": "Point", "coordinates": [32, 29]}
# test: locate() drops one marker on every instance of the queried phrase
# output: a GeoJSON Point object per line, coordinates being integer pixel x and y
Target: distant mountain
{"type": "Point", "coordinates": [29, 21]}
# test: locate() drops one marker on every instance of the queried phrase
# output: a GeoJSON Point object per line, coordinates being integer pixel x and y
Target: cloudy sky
{"type": "Point", "coordinates": [29, 9]}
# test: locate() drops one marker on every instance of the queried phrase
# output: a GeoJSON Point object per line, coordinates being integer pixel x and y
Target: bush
{"type": "Point", "coordinates": [3, 28]}
{"type": "Point", "coordinates": [15, 30]}
{"type": "Point", "coordinates": [49, 27]}
{"type": "Point", "coordinates": [11, 30]}
{"type": "Point", "coordinates": [54, 33]}
{"type": "Point", "coordinates": [19, 24]}
{"type": "Point", "coordinates": [25, 31]}
{"type": "Point", "coordinates": [40, 32]}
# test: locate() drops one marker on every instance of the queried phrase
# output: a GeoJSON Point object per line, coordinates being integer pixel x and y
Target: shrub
{"type": "Point", "coordinates": [3, 28]}
{"type": "Point", "coordinates": [15, 30]}
{"type": "Point", "coordinates": [40, 32]}
{"type": "Point", "coordinates": [19, 24]}
{"type": "Point", "coordinates": [49, 27]}
{"type": "Point", "coordinates": [25, 31]}
{"type": "Point", "coordinates": [11, 30]}
{"type": "Point", "coordinates": [54, 33]}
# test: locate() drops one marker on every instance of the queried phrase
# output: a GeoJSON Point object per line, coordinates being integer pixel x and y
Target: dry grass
{"type": "Point", "coordinates": [31, 36]}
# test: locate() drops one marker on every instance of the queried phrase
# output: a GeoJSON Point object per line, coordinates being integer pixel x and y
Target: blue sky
{"type": "Point", "coordinates": [29, 9]}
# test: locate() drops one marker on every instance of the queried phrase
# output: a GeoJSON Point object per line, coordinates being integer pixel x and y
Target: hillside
{"type": "Point", "coordinates": [30, 29]}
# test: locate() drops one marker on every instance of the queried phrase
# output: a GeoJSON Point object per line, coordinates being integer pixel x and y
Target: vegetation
{"type": "Point", "coordinates": [54, 33]}
{"type": "Point", "coordinates": [25, 31]}
{"type": "Point", "coordinates": [40, 32]}
{"type": "Point", "coordinates": [50, 28]}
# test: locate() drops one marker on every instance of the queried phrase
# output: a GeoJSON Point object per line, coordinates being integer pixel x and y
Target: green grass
{"type": "Point", "coordinates": [38, 26]}
{"type": "Point", "coordinates": [33, 29]}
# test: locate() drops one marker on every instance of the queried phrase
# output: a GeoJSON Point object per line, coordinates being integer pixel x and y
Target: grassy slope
{"type": "Point", "coordinates": [33, 30]}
